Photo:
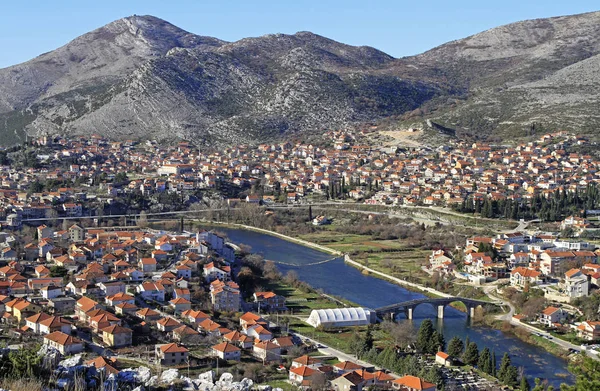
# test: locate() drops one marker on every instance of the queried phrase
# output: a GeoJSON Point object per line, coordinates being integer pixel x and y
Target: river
{"type": "Point", "coordinates": [337, 278]}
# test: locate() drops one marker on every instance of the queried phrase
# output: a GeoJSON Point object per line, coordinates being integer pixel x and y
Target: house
{"type": "Point", "coordinates": [552, 315]}
{"type": "Point", "coordinates": [76, 233]}
{"type": "Point", "coordinates": [171, 354]}
{"type": "Point", "coordinates": [100, 319]}
{"type": "Point", "coordinates": [64, 343]}
{"type": "Point", "coordinates": [194, 317]}
{"type": "Point", "coordinates": [84, 305]}
{"type": "Point", "coordinates": [62, 304]}
{"type": "Point", "coordinates": [183, 293]}
{"type": "Point", "coordinates": [412, 383]}
{"type": "Point", "coordinates": [117, 336]}
{"type": "Point", "coordinates": [443, 359]}
{"type": "Point", "coordinates": [576, 284]}
{"type": "Point", "coordinates": [51, 292]}
{"type": "Point", "coordinates": [225, 297]}
{"type": "Point", "coordinates": [180, 304]}
{"type": "Point", "coordinates": [266, 351]}
{"type": "Point", "coordinates": [119, 298]}
{"type": "Point", "coordinates": [211, 272]}
{"type": "Point", "coordinates": [52, 324]}
{"type": "Point", "coordinates": [148, 315]}
{"type": "Point", "coordinates": [351, 381]}
{"type": "Point", "coordinates": [270, 301]}
{"type": "Point", "coordinates": [250, 319]}
{"type": "Point", "coordinates": [522, 276]}
{"type": "Point", "coordinates": [112, 288]}
{"type": "Point", "coordinates": [150, 290]}
{"type": "Point", "coordinates": [589, 330]}
{"type": "Point", "coordinates": [345, 367]}
{"type": "Point", "coordinates": [239, 339]}
{"type": "Point", "coordinates": [258, 332]}
{"type": "Point", "coordinates": [226, 351]}
{"type": "Point", "coordinates": [125, 308]}
{"type": "Point", "coordinates": [167, 324]}
{"type": "Point", "coordinates": [22, 308]}
{"type": "Point", "coordinates": [183, 271]}
{"type": "Point", "coordinates": [303, 375]}
{"type": "Point", "coordinates": [104, 365]}
{"type": "Point", "coordinates": [185, 334]}
{"type": "Point", "coordinates": [284, 343]}
{"type": "Point", "coordinates": [147, 265]}
{"type": "Point", "coordinates": [306, 361]}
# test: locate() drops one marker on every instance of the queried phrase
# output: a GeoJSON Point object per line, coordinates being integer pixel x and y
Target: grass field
{"type": "Point", "coordinates": [300, 302]}
{"type": "Point", "coordinates": [405, 263]}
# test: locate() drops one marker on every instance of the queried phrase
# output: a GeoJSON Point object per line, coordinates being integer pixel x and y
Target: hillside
{"type": "Point", "coordinates": [542, 72]}
{"type": "Point", "coordinates": [141, 77]}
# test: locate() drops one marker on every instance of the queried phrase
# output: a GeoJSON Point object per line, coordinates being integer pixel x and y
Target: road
{"type": "Point", "coordinates": [329, 351]}
{"type": "Point", "coordinates": [489, 290]}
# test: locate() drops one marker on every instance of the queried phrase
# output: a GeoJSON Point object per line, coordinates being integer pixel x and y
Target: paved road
{"type": "Point", "coordinates": [329, 351]}
{"type": "Point", "coordinates": [490, 289]}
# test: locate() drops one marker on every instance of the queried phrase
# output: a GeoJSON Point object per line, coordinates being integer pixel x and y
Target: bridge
{"type": "Point", "coordinates": [408, 307]}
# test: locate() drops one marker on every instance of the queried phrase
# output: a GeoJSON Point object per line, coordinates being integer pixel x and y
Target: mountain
{"type": "Point", "coordinates": [142, 77]}
{"type": "Point", "coordinates": [542, 72]}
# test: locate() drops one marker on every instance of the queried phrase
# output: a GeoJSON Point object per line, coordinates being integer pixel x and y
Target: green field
{"type": "Point", "coordinates": [301, 302]}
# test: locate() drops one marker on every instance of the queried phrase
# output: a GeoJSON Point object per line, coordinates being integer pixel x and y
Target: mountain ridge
{"type": "Point", "coordinates": [141, 76]}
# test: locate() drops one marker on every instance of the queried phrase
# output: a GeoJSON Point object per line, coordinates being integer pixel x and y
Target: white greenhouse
{"type": "Point", "coordinates": [341, 317]}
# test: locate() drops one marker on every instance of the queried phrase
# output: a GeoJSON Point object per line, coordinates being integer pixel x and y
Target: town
{"type": "Point", "coordinates": [85, 272]}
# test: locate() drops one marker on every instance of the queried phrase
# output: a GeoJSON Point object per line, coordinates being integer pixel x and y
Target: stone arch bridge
{"type": "Point", "coordinates": [407, 307]}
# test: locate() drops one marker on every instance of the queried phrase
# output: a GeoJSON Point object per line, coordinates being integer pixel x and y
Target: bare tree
{"type": "Point", "coordinates": [402, 333]}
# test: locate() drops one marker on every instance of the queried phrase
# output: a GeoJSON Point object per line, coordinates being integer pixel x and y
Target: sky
{"type": "Point", "coordinates": [398, 27]}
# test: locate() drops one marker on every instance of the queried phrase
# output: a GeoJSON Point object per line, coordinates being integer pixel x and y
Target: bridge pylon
{"type": "Point", "coordinates": [440, 311]}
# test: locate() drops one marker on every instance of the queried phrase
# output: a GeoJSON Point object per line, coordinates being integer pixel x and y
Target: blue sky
{"type": "Point", "coordinates": [398, 27]}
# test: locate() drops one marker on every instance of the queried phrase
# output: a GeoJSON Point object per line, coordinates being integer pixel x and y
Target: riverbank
{"type": "Point", "coordinates": [273, 233]}
{"type": "Point", "coordinates": [430, 292]}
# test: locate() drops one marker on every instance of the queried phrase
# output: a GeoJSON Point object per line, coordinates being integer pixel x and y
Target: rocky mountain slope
{"type": "Point", "coordinates": [142, 77]}
{"type": "Point", "coordinates": [543, 72]}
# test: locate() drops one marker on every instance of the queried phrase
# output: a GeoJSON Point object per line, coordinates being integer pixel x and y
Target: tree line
{"type": "Point", "coordinates": [554, 207]}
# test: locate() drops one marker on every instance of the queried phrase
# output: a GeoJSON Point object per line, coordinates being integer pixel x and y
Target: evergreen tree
{"type": "Point", "coordinates": [438, 343]}
{"type": "Point", "coordinates": [471, 356]}
{"type": "Point", "coordinates": [485, 361]}
{"type": "Point", "coordinates": [368, 340]}
{"type": "Point", "coordinates": [504, 365]}
{"type": "Point", "coordinates": [524, 384]}
{"type": "Point", "coordinates": [587, 375]}
{"type": "Point", "coordinates": [424, 336]}
{"type": "Point", "coordinates": [494, 364]}
{"type": "Point", "coordinates": [511, 376]}
{"type": "Point", "coordinates": [455, 347]}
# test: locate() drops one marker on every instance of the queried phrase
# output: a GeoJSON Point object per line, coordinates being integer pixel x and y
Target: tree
{"type": "Point", "coordinates": [402, 333]}
{"type": "Point", "coordinates": [524, 384]}
{"type": "Point", "coordinates": [455, 347]}
{"type": "Point", "coordinates": [437, 342]}
{"type": "Point", "coordinates": [587, 375]}
{"type": "Point", "coordinates": [542, 386]}
{"type": "Point", "coordinates": [485, 361]}
{"type": "Point", "coordinates": [511, 377]}
{"type": "Point", "coordinates": [471, 356]}
{"type": "Point", "coordinates": [504, 365]}
{"type": "Point", "coordinates": [494, 365]}
{"type": "Point", "coordinates": [58, 271]}
{"type": "Point", "coordinates": [143, 220]}
{"type": "Point", "coordinates": [368, 340]}
{"type": "Point", "coordinates": [424, 336]}
{"type": "Point", "coordinates": [357, 345]}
